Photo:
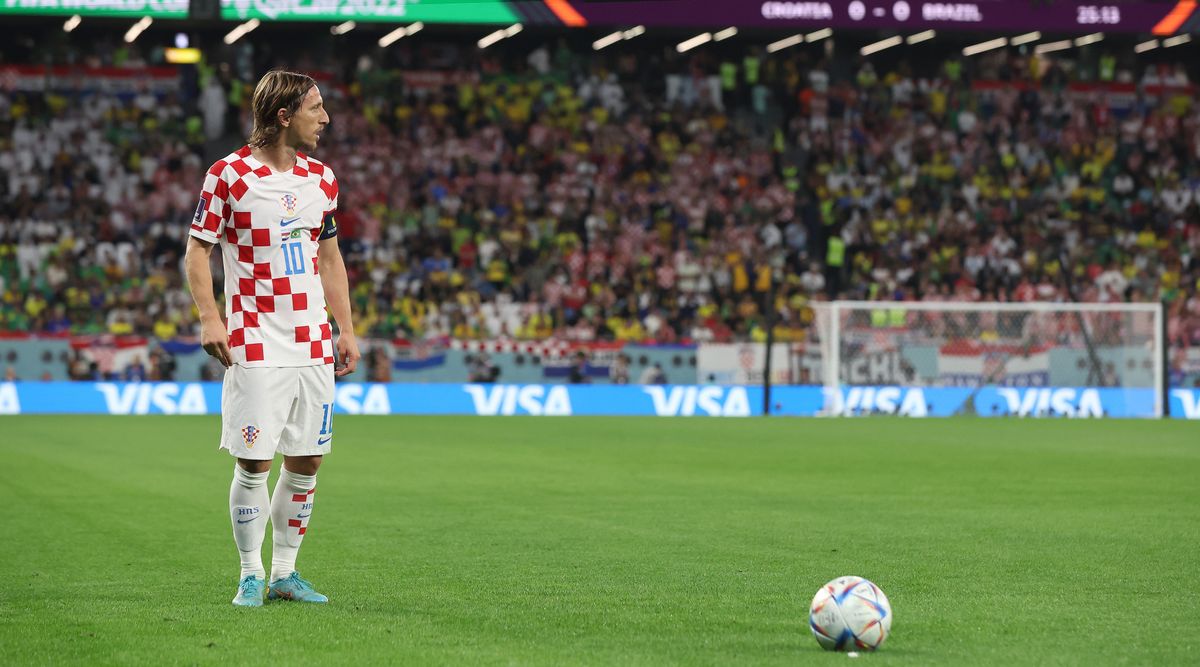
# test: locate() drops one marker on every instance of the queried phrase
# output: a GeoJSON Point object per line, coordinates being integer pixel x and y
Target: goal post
{"type": "Point", "coordinates": [1028, 359]}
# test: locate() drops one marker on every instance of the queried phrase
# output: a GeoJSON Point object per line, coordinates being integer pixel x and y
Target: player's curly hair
{"type": "Point", "coordinates": [278, 89]}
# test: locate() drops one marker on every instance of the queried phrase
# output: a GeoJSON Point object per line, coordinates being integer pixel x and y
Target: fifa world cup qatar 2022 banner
{"type": "Point", "coordinates": [204, 398]}
{"type": "Point", "coordinates": [388, 11]}
{"type": "Point", "coordinates": [160, 9]}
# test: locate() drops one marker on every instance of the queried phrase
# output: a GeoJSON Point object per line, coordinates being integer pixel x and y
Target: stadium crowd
{"type": "Point", "coordinates": [587, 199]}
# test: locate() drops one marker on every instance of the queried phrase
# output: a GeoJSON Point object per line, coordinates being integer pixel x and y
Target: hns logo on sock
{"type": "Point", "coordinates": [250, 434]}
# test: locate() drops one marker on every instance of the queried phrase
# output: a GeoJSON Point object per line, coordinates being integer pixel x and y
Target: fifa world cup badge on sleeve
{"type": "Point", "coordinates": [201, 207]}
{"type": "Point", "coordinates": [250, 434]}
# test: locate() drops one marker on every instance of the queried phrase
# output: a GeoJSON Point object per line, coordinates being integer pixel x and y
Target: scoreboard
{"type": "Point", "coordinates": [1157, 16]}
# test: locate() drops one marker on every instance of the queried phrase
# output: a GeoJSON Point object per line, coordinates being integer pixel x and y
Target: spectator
{"type": "Point", "coordinates": [578, 373]}
{"type": "Point", "coordinates": [618, 373]}
{"type": "Point", "coordinates": [378, 364]}
{"type": "Point", "coordinates": [135, 372]}
{"type": "Point", "coordinates": [480, 368]}
{"type": "Point", "coordinates": [653, 375]}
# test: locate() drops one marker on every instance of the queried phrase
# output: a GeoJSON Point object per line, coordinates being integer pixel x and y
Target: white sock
{"type": "Point", "coordinates": [248, 504]}
{"type": "Point", "coordinates": [291, 507]}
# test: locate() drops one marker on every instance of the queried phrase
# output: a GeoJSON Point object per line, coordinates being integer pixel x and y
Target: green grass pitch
{"type": "Point", "coordinates": [561, 541]}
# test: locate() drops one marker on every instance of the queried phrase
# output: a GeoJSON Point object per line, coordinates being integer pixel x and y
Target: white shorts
{"type": "Point", "coordinates": [265, 411]}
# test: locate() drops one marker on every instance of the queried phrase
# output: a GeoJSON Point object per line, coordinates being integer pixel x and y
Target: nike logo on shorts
{"type": "Point", "coordinates": [285, 223]}
{"type": "Point", "coordinates": [323, 441]}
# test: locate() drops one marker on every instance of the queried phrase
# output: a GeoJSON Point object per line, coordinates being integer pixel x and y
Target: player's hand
{"type": "Point", "coordinates": [347, 354]}
{"type": "Point", "coordinates": [215, 340]}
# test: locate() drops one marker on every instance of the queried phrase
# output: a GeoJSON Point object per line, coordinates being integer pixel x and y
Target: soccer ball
{"type": "Point", "coordinates": [850, 613]}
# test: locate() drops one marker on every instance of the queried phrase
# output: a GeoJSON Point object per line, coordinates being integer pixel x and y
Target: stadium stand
{"type": "Point", "coordinates": [585, 199]}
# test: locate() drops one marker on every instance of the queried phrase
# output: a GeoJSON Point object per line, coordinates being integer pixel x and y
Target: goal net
{"type": "Point", "coordinates": [1045, 359]}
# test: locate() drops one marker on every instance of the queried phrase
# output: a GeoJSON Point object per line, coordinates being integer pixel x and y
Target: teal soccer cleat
{"type": "Point", "coordinates": [250, 592]}
{"type": "Point", "coordinates": [292, 587]}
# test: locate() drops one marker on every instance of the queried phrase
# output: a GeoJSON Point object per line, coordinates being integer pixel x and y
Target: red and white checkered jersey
{"type": "Point", "coordinates": [269, 225]}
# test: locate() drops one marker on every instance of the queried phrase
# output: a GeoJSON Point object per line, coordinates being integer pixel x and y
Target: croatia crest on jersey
{"type": "Point", "coordinates": [289, 203]}
{"type": "Point", "coordinates": [250, 434]}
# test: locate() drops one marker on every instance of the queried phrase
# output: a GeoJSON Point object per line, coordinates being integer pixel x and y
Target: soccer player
{"type": "Point", "coordinates": [271, 209]}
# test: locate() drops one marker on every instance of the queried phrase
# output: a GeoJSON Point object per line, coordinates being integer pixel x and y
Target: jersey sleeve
{"type": "Point", "coordinates": [329, 186]}
{"type": "Point", "coordinates": [212, 211]}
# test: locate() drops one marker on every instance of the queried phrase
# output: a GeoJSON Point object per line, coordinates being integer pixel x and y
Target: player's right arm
{"type": "Point", "coordinates": [213, 335]}
{"type": "Point", "coordinates": [207, 226]}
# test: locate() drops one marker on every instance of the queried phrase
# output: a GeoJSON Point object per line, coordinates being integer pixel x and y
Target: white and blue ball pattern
{"type": "Point", "coordinates": [849, 614]}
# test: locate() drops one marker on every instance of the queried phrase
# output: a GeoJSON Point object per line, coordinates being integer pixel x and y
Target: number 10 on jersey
{"type": "Point", "coordinates": [293, 258]}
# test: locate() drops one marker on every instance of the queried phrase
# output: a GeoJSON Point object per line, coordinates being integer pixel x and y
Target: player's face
{"type": "Point", "coordinates": [309, 121]}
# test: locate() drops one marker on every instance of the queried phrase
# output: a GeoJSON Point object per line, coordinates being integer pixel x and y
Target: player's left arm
{"type": "Point", "coordinates": [337, 296]}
